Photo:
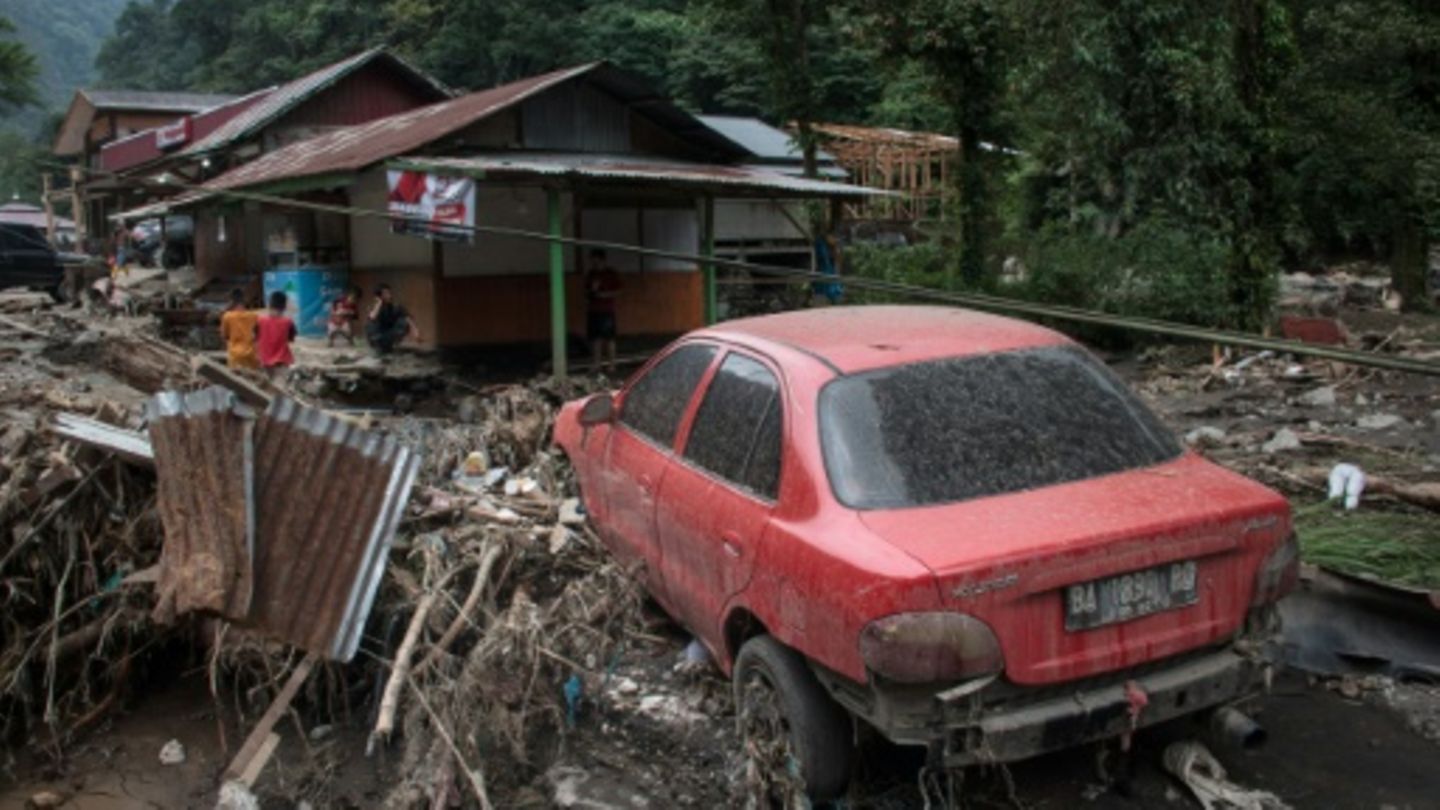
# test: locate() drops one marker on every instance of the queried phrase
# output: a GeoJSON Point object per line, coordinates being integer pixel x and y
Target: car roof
{"type": "Point", "coordinates": [853, 339]}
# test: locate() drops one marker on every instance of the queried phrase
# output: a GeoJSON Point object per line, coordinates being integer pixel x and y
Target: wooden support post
{"type": "Point", "coordinates": [77, 208]}
{"type": "Point", "coordinates": [707, 249]}
{"type": "Point", "coordinates": [558, 331]}
{"type": "Point", "coordinates": [49, 208]}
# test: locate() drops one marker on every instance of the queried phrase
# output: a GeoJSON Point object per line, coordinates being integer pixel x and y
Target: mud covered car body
{"type": "Point", "coordinates": [974, 535]}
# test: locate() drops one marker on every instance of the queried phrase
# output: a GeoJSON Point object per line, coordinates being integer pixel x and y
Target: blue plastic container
{"type": "Point", "coordinates": [309, 290]}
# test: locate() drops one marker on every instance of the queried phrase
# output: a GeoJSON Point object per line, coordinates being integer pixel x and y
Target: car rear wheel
{"type": "Point", "coordinates": [797, 741]}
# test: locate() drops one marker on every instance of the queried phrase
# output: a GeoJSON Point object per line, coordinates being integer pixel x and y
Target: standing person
{"type": "Point", "coordinates": [237, 329]}
{"type": "Point", "coordinates": [120, 252]}
{"type": "Point", "coordinates": [344, 312]}
{"type": "Point", "coordinates": [274, 332]}
{"type": "Point", "coordinates": [602, 287]}
{"type": "Point", "coordinates": [389, 322]}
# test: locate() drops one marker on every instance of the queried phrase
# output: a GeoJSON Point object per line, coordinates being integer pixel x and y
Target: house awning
{"type": "Point", "coordinates": [632, 171]}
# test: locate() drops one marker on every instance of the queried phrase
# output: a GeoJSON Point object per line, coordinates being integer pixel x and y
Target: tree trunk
{"type": "Point", "coordinates": [1409, 263]}
{"type": "Point", "coordinates": [970, 175]}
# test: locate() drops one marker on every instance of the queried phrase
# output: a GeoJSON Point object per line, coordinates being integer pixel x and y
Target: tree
{"type": "Point", "coordinates": [957, 45]}
{"type": "Point", "coordinates": [1362, 130]}
{"type": "Point", "coordinates": [17, 70]}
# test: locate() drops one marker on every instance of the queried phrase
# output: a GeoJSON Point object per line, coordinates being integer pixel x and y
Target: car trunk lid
{"type": "Point", "coordinates": [1155, 562]}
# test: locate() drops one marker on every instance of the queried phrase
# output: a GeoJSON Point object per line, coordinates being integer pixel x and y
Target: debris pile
{"type": "Point", "coordinates": [80, 527]}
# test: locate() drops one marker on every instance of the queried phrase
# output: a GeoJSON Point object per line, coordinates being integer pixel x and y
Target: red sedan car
{"type": "Point", "coordinates": [960, 529]}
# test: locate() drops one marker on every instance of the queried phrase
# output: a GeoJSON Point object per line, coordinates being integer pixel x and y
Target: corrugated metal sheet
{"type": "Point", "coordinates": [356, 147]}
{"type": "Point", "coordinates": [162, 101]}
{"type": "Point", "coordinates": [288, 96]}
{"type": "Point", "coordinates": [728, 180]}
{"type": "Point", "coordinates": [204, 446]}
{"type": "Point", "coordinates": [127, 444]}
{"type": "Point", "coordinates": [141, 147]}
{"type": "Point", "coordinates": [330, 496]}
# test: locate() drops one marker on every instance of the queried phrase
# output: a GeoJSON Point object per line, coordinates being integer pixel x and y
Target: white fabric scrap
{"type": "Point", "coordinates": [1193, 764]}
{"type": "Point", "coordinates": [1347, 481]}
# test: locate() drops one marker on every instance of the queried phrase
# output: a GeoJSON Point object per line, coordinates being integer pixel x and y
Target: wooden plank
{"type": "Point", "coordinates": [259, 736]}
{"type": "Point", "coordinates": [262, 757]}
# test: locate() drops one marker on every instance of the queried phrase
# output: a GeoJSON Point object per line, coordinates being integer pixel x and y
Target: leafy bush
{"type": "Point", "coordinates": [1155, 270]}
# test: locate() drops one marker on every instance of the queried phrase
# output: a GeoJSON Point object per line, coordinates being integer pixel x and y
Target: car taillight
{"type": "Point", "coordinates": [930, 647]}
{"type": "Point", "coordinates": [1279, 573]}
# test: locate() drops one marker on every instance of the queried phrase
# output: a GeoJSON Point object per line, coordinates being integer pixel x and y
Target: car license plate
{"type": "Point", "coordinates": [1131, 595]}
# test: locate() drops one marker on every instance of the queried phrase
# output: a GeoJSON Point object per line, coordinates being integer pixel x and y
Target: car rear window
{"type": "Point", "coordinates": [962, 428]}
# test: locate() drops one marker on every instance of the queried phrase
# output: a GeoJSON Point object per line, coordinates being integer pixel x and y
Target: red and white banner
{"type": "Point", "coordinates": [431, 206]}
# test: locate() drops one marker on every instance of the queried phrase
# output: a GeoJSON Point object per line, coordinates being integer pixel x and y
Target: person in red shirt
{"type": "Point", "coordinates": [344, 312]}
{"type": "Point", "coordinates": [602, 286]}
{"type": "Point", "coordinates": [274, 333]}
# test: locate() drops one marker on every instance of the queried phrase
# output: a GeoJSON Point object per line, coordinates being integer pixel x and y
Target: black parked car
{"type": "Point", "coordinates": [28, 260]}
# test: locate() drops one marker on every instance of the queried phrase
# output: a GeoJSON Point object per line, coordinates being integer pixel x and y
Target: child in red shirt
{"type": "Point", "coordinates": [274, 333]}
{"type": "Point", "coordinates": [344, 312]}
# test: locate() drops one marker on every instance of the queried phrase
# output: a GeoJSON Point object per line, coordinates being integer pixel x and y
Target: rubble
{"type": "Point", "coordinates": [1283, 440]}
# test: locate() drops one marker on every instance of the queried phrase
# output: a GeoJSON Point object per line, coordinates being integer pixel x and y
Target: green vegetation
{"type": "Point", "coordinates": [17, 69]}
{"type": "Point", "coordinates": [1395, 546]}
{"type": "Point", "coordinates": [1163, 157]}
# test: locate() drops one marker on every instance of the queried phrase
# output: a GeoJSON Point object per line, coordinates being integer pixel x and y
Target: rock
{"type": "Point", "coordinates": [1361, 401]}
{"type": "Point", "coordinates": [172, 753]}
{"type": "Point", "coordinates": [559, 538]}
{"type": "Point", "coordinates": [1205, 436]}
{"type": "Point", "coordinates": [1378, 421]}
{"type": "Point", "coordinates": [578, 788]}
{"type": "Point", "coordinates": [235, 796]}
{"type": "Point", "coordinates": [46, 799]}
{"type": "Point", "coordinates": [1283, 440]}
{"type": "Point", "coordinates": [1323, 397]}
{"type": "Point", "coordinates": [570, 512]}
{"type": "Point", "coordinates": [1435, 416]}
{"type": "Point", "coordinates": [669, 709]}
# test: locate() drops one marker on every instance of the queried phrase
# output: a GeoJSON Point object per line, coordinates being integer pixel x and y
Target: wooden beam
{"type": "Point", "coordinates": [254, 752]}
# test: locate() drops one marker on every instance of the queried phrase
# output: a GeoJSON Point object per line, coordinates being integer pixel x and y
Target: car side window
{"type": "Point", "coordinates": [654, 403]}
{"type": "Point", "coordinates": [737, 431]}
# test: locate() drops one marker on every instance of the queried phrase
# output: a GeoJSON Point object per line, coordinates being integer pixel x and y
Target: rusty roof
{"type": "Point", "coordinates": [329, 497]}
{"type": "Point", "coordinates": [203, 444]}
{"type": "Point", "coordinates": [152, 100]}
{"type": "Point", "coordinates": [629, 169]}
{"type": "Point", "coordinates": [355, 147]}
{"type": "Point", "coordinates": [290, 95]}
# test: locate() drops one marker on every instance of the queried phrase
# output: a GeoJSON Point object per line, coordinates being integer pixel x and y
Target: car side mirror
{"type": "Point", "coordinates": [598, 410]}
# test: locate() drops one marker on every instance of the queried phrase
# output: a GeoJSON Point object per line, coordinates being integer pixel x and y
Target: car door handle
{"type": "Point", "coordinates": [731, 542]}
{"type": "Point", "coordinates": [647, 484]}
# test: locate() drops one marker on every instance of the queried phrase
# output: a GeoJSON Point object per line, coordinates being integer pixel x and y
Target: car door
{"type": "Point", "coordinates": [640, 448]}
{"type": "Point", "coordinates": [27, 257]}
{"type": "Point", "coordinates": [717, 498]}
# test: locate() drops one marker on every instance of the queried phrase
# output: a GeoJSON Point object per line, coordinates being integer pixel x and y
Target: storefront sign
{"type": "Point", "coordinates": [172, 135]}
{"type": "Point", "coordinates": [431, 206]}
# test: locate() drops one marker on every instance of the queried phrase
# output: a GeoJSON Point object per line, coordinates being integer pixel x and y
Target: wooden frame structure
{"type": "Point", "coordinates": [915, 165]}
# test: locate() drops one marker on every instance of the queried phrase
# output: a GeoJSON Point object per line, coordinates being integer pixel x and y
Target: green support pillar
{"type": "Point", "coordinates": [707, 249]}
{"type": "Point", "coordinates": [557, 285]}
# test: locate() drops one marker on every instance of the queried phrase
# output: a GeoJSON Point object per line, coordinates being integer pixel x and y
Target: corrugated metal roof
{"type": "Point", "coordinates": [362, 145]}
{"type": "Point", "coordinates": [330, 496]}
{"type": "Point", "coordinates": [161, 101]}
{"type": "Point", "coordinates": [19, 213]}
{"type": "Point", "coordinates": [290, 95]}
{"type": "Point", "coordinates": [760, 139]}
{"type": "Point", "coordinates": [729, 180]}
{"type": "Point", "coordinates": [203, 443]}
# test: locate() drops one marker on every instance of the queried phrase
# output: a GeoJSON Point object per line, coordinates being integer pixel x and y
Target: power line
{"type": "Point", "coordinates": [990, 303]}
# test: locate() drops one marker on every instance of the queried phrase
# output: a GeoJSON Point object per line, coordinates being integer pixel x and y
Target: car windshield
{"type": "Point", "coordinates": [967, 427]}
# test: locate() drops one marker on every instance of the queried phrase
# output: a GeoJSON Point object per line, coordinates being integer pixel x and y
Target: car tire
{"type": "Point", "coordinates": [777, 697]}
